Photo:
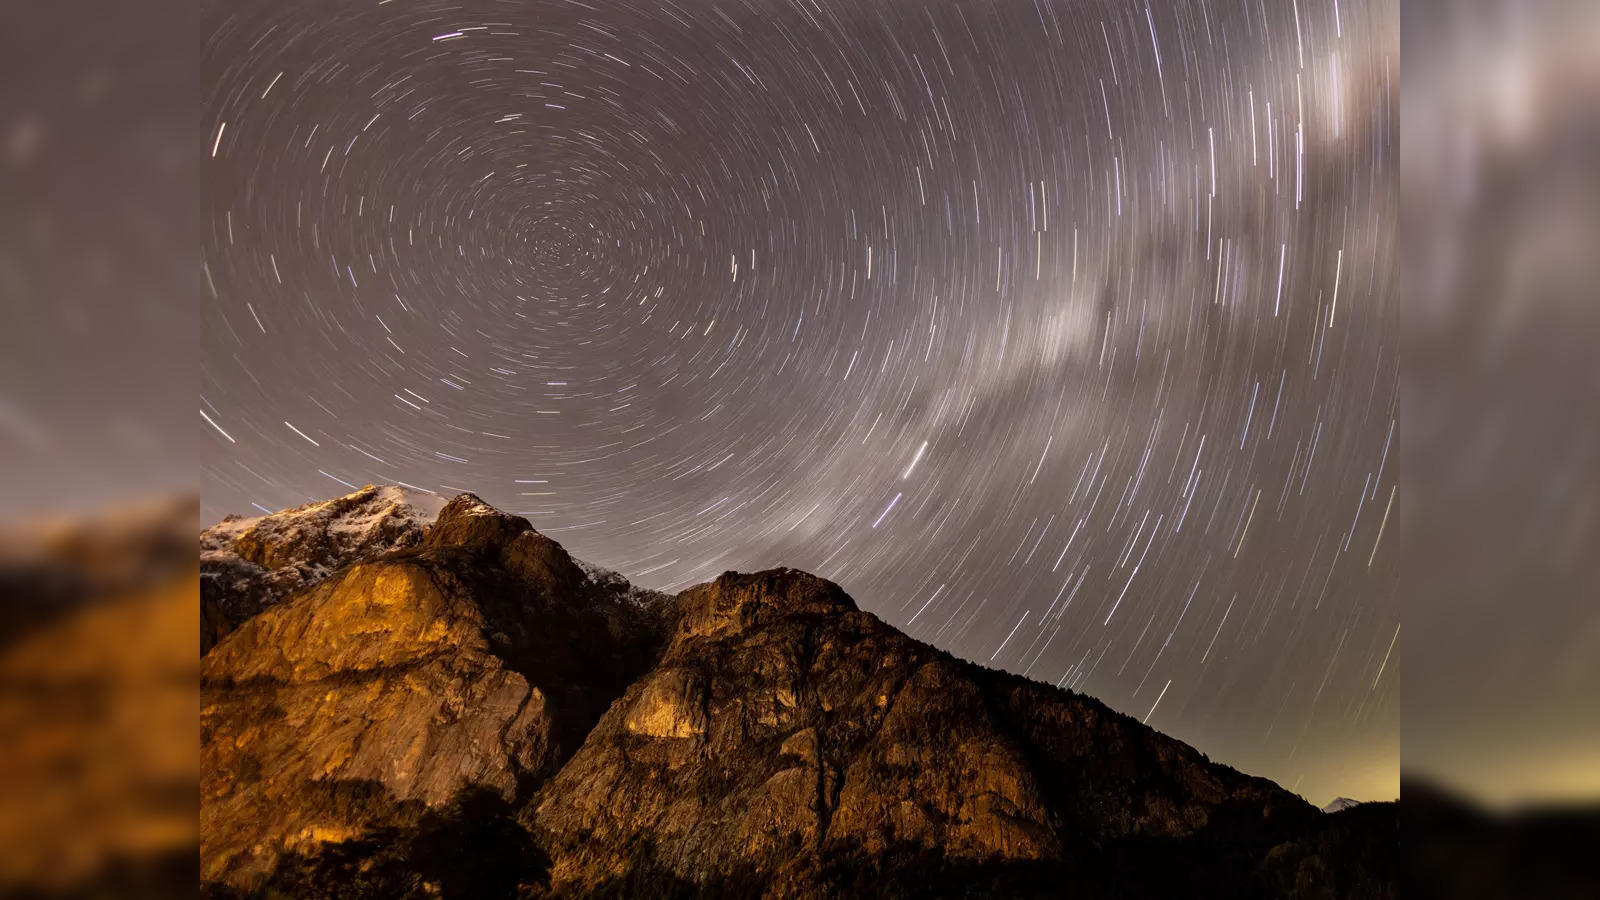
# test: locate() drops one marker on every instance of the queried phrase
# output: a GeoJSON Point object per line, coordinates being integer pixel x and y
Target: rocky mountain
{"type": "Point", "coordinates": [249, 564]}
{"type": "Point", "coordinates": [460, 709]}
{"type": "Point", "coordinates": [1340, 804]}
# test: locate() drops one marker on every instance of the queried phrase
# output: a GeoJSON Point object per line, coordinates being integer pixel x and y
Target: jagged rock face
{"type": "Point", "coordinates": [783, 728]}
{"type": "Point", "coordinates": [473, 660]}
{"type": "Point", "coordinates": [247, 565]}
{"type": "Point", "coordinates": [478, 715]}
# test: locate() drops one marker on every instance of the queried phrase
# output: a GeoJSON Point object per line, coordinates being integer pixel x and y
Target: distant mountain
{"type": "Point", "coordinates": [457, 708]}
{"type": "Point", "coordinates": [1340, 804]}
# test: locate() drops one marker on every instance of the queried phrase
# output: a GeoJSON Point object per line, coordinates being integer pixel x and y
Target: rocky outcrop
{"type": "Point", "coordinates": [476, 714]}
{"type": "Point", "coordinates": [247, 565]}
{"type": "Point", "coordinates": [472, 660]}
{"type": "Point", "coordinates": [785, 737]}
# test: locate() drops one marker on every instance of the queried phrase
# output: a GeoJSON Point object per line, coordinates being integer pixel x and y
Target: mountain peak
{"type": "Point", "coordinates": [468, 523]}
{"type": "Point", "coordinates": [249, 564]}
{"type": "Point", "coordinates": [323, 532]}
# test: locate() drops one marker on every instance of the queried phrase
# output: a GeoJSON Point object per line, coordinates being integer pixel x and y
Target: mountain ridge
{"type": "Point", "coordinates": [757, 735]}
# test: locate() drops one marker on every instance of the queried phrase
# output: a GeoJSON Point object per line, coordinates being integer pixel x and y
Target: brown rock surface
{"type": "Point", "coordinates": [247, 565]}
{"type": "Point", "coordinates": [783, 729]}
{"type": "Point", "coordinates": [474, 660]}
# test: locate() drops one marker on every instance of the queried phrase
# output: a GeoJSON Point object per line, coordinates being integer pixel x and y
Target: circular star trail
{"type": "Point", "coordinates": [1062, 335]}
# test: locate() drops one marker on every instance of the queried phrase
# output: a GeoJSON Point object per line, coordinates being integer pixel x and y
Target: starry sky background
{"type": "Point", "coordinates": [1061, 335]}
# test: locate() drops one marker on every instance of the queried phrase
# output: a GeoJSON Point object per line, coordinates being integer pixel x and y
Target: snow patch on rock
{"type": "Point", "coordinates": [617, 585]}
{"type": "Point", "coordinates": [248, 564]}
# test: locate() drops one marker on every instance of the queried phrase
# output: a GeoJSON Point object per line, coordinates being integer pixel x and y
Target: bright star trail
{"type": "Point", "coordinates": [1061, 335]}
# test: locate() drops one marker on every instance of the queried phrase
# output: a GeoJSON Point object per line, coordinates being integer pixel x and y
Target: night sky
{"type": "Point", "coordinates": [1062, 335]}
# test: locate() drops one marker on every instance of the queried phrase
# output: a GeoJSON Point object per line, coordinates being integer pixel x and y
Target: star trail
{"type": "Point", "coordinates": [1062, 335]}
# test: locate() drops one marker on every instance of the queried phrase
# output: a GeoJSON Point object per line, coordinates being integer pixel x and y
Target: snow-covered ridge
{"type": "Point", "coordinates": [318, 535]}
{"type": "Point", "coordinates": [356, 514]}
